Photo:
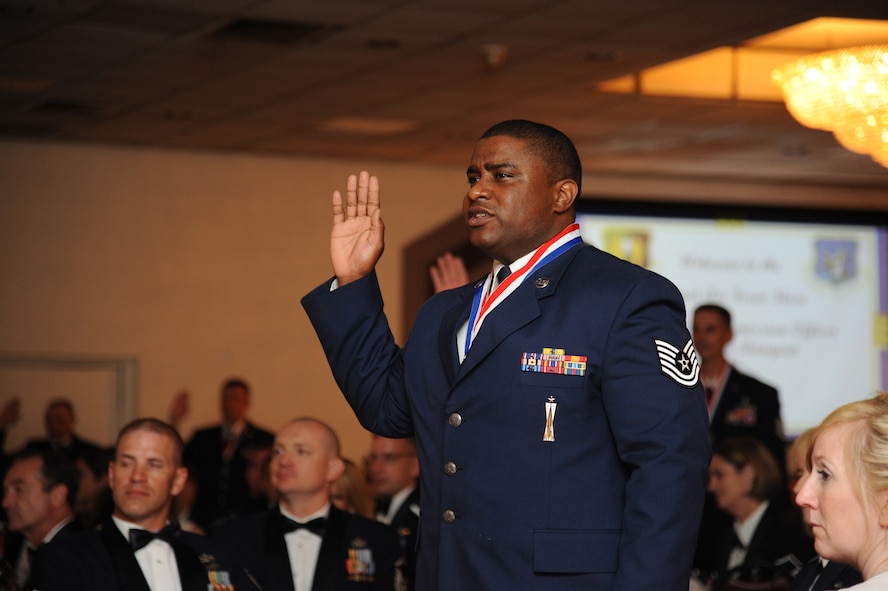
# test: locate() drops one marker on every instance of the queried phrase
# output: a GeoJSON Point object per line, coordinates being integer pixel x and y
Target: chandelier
{"type": "Point", "coordinates": [844, 91]}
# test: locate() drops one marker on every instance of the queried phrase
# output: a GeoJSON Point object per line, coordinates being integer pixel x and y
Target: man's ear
{"type": "Point", "coordinates": [58, 495]}
{"type": "Point", "coordinates": [565, 196]}
{"type": "Point", "coordinates": [179, 480]}
{"type": "Point", "coordinates": [335, 468]}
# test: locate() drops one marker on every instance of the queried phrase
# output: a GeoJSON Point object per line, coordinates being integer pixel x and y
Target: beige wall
{"type": "Point", "coordinates": [194, 263]}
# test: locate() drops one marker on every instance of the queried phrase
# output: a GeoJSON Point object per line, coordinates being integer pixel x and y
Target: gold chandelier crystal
{"type": "Point", "coordinates": [844, 91]}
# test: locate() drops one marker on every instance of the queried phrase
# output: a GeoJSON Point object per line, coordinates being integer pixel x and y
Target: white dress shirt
{"type": "Point", "coordinates": [303, 548]}
{"type": "Point", "coordinates": [157, 561]}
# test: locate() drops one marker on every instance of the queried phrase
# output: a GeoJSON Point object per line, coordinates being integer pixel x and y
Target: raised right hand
{"type": "Point", "coordinates": [357, 237]}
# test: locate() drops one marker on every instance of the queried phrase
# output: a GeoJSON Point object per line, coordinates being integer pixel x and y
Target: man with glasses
{"type": "Point", "coordinates": [392, 469]}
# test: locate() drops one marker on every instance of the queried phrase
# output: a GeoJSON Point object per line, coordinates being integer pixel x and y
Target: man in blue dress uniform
{"type": "Point", "coordinates": [560, 424]}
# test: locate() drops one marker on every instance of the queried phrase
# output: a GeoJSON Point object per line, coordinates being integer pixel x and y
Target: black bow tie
{"type": "Point", "coordinates": [139, 538]}
{"type": "Point", "coordinates": [315, 526]}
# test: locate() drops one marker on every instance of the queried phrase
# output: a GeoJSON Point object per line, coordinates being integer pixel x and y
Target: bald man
{"type": "Point", "coordinates": [305, 542]}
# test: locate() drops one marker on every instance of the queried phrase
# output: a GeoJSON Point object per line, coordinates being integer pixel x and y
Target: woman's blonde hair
{"type": "Point", "coordinates": [867, 445]}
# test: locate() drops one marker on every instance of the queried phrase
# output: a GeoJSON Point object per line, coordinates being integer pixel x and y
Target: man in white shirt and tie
{"type": "Point", "coordinates": [305, 543]}
{"type": "Point", "coordinates": [138, 548]}
{"type": "Point", "coordinates": [393, 475]}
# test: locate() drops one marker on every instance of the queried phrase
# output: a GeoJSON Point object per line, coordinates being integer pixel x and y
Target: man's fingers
{"type": "Point", "coordinates": [373, 195]}
{"type": "Point", "coordinates": [361, 198]}
{"type": "Point", "coordinates": [338, 213]}
{"type": "Point", "coordinates": [363, 189]}
{"type": "Point", "coordinates": [351, 199]}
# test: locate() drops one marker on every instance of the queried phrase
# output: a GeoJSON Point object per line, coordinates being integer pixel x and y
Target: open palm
{"type": "Point", "coordinates": [356, 240]}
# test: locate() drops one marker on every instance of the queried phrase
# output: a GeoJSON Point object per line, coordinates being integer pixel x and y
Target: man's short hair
{"type": "Point", "coordinates": [56, 469]}
{"type": "Point", "coordinates": [155, 426]}
{"type": "Point", "coordinates": [63, 402]}
{"type": "Point", "coordinates": [236, 383]}
{"type": "Point", "coordinates": [720, 310]}
{"type": "Point", "coordinates": [332, 439]}
{"type": "Point", "coordinates": [549, 144]}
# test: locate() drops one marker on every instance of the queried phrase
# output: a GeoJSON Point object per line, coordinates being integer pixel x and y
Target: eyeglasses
{"type": "Point", "coordinates": [385, 458]}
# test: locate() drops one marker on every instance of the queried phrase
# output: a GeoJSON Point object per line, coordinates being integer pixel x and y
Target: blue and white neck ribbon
{"type": "Point", "coordinates": [485, 301]}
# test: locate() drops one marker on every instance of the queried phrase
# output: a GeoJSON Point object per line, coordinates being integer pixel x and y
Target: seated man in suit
{"type": "Point", "coordinates": [138, 548]}
{"type": "Point", "coordinates": [306, 542]}
{"type": "Point", "coordinates": [393, 476]}
{"type": "Point", "coordinates": [39, 493]}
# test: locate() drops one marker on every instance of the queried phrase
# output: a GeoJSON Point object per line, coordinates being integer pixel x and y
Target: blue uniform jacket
{"type": "Point", "coordinates": [614, 502]}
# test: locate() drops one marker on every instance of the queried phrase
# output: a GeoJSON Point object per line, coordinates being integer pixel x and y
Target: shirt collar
{"type": "Point", "coordinates": [125, 526]}
{"type": "Point", "coordinates": [746, 529]}
{"type": "Point", "coordinates": [56, 529]}
{"type": "Point", "coordinates": [322, 512]}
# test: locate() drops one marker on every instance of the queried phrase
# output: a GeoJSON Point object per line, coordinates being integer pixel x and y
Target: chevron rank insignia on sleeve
{"type": "Point", "coordinates": [681, 365]}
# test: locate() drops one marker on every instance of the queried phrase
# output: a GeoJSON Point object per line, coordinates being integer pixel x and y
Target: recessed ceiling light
{"type": "Point", "coordinates": [366, 125]}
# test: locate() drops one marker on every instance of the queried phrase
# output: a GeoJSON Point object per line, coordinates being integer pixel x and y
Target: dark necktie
{"type": "Point", "coordinates": [383, 504]}
{"type": "Point", "coordinates": [229, 444]}
{"type": "Point", "coordinates": [710, 393]}
{"type": "Point", "coordinates": [501, 275]}
{"type": "Point", "coordinates": [139, 538]}
{"type": "Point", "coordinates": [315, 526]}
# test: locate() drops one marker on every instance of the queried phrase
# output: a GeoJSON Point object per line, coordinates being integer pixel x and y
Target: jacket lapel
{"type": "Point", "coordinates": [126, 567]}
{"type": "Point", "coordinates": [277, 560]}
{"type": "Point", "coordinates": [516, 311]}
{"type": "Point", "coordinates": [728, 399]}
{"type": "Point", "coordinates": [329, 557]}
{"type": "Point", "coordinates": [836, 576]}
{"type": "Point", "coordinates": [451, 322]}
{"type": "Point", "coordinates": [764, 528]}
{"type": "Point", "coordinates": [192, 574]}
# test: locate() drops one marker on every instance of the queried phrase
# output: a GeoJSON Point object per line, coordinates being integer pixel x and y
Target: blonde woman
{"type": "Point", "coordinates": [846, 492]}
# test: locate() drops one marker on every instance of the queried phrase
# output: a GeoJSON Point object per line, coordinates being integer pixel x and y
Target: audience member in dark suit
{"type": "Point", "coordinates": [764, 539]}
{"type": "Point", "coordinates": [59, 421]}
{"type": "Point", "coordinates": [137, 548]}
{"type": "Point", "coordinates": [393, 475]}
{"type": "Point", "coordinates": [306, 542]}
{"type": "Point", "coordinates": [216, 456]}
{"type": "Point", "coordinates": [39, 492]}
{"type": "Point", "coordinates": [739, 405]}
